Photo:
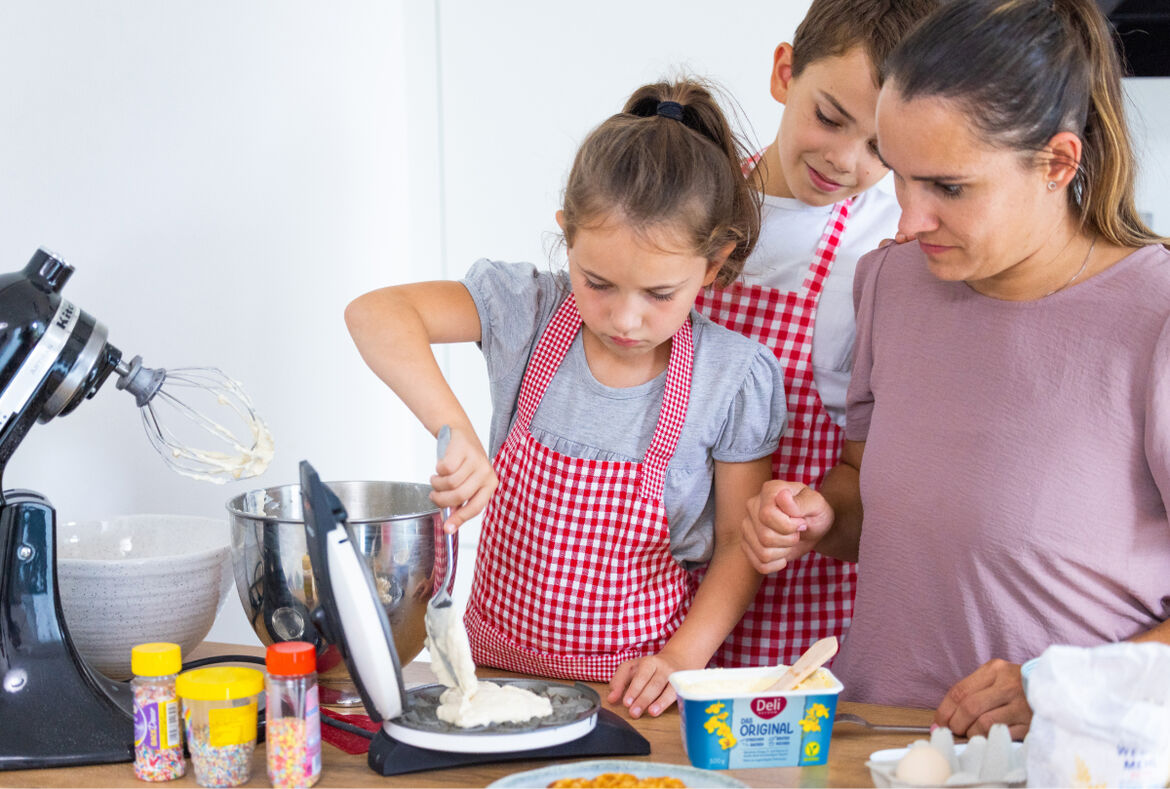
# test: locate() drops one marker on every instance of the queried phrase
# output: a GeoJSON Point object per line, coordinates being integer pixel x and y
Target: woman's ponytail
{"type": "Point", "coordinates": [1103, 189]}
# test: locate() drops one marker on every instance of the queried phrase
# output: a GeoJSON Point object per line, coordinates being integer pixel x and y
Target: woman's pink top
{"type": "Point", "coordinates": [1016, 473]}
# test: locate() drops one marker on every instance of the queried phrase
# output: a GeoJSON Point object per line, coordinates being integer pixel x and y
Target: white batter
{"type": "Point", "coordinates": [447, 642]}
{"type": "Point", "coordinates": [468, 702]}
{"type": "Point", "coordinates": [491, 703]}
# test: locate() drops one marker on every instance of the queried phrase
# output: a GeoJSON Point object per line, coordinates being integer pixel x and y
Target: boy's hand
{"type": "Point", "coordinates": [464, 479]}
{"type": "Point", "coordinates": [784, 522]}
{"type": "Point", "coordinates": [899, 238]}
{"type": "Point", "coordinates": [641, 684]}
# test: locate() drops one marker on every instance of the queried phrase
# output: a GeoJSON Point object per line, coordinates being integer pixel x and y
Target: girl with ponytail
{"type": "Point", "coordinates": [628, 431]}
{"type": "Point", "coordinates": [1011, 382]}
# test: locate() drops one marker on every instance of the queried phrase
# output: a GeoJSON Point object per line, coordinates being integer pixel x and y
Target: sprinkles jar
{"type": "Point", "coordinates": [219, 718]}
{"type": "Point", "coordinates": [293, 732]}
{"type": "Point", "coordinates": [158, 738]}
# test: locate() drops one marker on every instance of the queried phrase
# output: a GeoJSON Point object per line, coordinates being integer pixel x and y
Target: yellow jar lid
{"type": "Point", "coordinates": [219, 683]}
{"type": "Point", "coordinates": [157, 659]}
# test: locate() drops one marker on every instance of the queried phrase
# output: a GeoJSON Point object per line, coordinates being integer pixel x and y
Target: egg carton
{"type": "Point", "coordinates": [983, 761]}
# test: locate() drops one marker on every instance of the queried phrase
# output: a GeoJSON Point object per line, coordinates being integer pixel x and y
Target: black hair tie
{"type": "Point", "coordinates": [670, 109]}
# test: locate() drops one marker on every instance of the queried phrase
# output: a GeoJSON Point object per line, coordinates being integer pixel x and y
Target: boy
{"type": "Point", "coordinates": [796, 293]}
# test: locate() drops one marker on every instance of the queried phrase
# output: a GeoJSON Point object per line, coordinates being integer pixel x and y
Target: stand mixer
{"type": "Point", "coordinates": [56, 710]}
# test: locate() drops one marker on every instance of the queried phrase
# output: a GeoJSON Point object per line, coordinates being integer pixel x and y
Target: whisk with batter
{"type": "Point", "coordinates": [176, 406]}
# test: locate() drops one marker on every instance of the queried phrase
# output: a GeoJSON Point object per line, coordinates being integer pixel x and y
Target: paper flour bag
{"type": "Point", "coordinates": [1101, 716]}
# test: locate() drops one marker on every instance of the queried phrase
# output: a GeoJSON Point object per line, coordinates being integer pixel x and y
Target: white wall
{"type": "Point", "coordinates": [1149, 117]}
{"type": "Point", "coordinates": [226, 176]}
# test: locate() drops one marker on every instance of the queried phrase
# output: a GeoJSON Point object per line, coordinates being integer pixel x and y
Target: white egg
{"type": "Point", "coordinates": [923, 766]}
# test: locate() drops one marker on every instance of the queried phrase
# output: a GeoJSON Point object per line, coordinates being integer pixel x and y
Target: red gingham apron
{"type": "Point", "coordinates": [574, 573]}
{"type": "Point", "coordinates": [812, 598]}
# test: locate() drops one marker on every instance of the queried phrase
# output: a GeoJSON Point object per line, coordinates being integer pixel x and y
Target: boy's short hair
{"type": "Point", "coordinates": [833, 27]}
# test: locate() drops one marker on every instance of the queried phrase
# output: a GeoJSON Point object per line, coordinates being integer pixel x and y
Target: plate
{"type": "Point", "coordinates": [881, 766]}
{"type": "Point", "coordinates": [691, 776]}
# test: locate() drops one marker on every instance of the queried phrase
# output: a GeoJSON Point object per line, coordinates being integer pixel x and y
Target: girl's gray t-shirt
{"type": "Point", "coordinates": [736, 411]}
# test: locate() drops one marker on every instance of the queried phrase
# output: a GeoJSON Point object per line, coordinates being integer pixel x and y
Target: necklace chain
{"type": "Point", "coordinates": [1080, 271]}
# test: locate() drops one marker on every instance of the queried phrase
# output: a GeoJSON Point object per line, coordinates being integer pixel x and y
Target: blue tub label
{"type": "Point", "coordinates": [759, 732]}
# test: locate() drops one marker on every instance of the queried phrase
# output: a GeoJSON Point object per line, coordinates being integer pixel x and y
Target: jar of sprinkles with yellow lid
{"type": "Point", "coordinates": [158, 737]}
{"type": "Point", "coordinates": [219, 718]}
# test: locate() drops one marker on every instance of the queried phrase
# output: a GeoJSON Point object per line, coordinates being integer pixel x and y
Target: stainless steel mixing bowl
{"type": "Point", "coordinates": [395, 526]}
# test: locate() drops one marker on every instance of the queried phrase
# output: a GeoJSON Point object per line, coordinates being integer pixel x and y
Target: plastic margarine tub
{"type": "Point", "coordinates": [729, 721]}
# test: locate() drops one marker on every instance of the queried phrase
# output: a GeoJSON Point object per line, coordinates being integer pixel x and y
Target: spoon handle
{"type": "Point", "coordinates": [813, 658]}
{"type": "Point", "coordinates": [444, 438]}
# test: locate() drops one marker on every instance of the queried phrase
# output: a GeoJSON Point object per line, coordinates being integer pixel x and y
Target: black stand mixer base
{"type": "Point", "coordinates": [55, 711]}
{"type": "Point", "coordinates": [612, 736]}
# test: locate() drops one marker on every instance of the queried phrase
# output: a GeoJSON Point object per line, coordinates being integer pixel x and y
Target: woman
{"type": "Point", "coordinates": [1011, 384]}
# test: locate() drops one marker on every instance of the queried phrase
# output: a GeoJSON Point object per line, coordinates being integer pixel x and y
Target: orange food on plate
{"type": "Point", "coordinates": [618, 781]}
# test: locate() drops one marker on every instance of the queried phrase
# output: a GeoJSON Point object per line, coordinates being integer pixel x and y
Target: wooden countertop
{"type": "Point", "coordinates": [850, 747]}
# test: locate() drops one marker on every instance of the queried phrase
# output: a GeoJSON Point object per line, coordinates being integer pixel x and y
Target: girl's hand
{"type": "Point", "coordinates": [727, 589]}
{"type": "Point", "coordinates": [641, 684]}
{"type": "Point", "coordinates": [784, 522]}
{"type": "Point", "coordinates": [464, 479]}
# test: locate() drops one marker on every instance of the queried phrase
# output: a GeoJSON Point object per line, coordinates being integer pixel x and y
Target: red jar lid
{"type": "Point", "coordinates": [290, 658]}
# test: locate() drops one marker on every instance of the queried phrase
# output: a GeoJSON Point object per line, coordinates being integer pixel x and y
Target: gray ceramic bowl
{"type": "Point", "coordinates": [139, 578]}
{"type": "Point", "coordinates": [394, 525]}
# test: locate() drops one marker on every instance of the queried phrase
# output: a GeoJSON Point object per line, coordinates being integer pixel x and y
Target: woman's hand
{"type": "Point", "coordinates": [993, 693]}
{"type": "Point", "coordinates": [642, 684]}
{"type": "Point", "coordinates": [464, 479]}
{"type": "Point", "coordinates": [784, 522]}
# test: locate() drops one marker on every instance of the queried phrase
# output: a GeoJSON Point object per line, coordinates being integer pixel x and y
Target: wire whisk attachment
{"type": "Point", "coordinates": [201, 422]}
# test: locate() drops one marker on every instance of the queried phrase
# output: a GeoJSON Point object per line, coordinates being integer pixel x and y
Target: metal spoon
{"type": "Point", "coordinates": [848, 717]}
{"type": "Point", "coordinates": [442, 598]}
{"type": "Point", "coordinates": [439, 609]}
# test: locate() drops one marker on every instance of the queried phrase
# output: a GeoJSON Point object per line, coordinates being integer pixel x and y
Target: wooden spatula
{"type": "Point", "coordinates": [813, 658]}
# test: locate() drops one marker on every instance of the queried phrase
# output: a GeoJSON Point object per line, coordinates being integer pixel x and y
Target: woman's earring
{"type": "Point", "coordinates": [1052, 186]}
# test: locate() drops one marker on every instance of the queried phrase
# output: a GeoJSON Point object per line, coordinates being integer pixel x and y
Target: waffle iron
{"type": "Point", "coordinates": [412, 738]}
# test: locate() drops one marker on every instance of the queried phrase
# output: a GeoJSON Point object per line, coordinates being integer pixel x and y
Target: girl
{"type": "Point", "coordinates": [628, 430]}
